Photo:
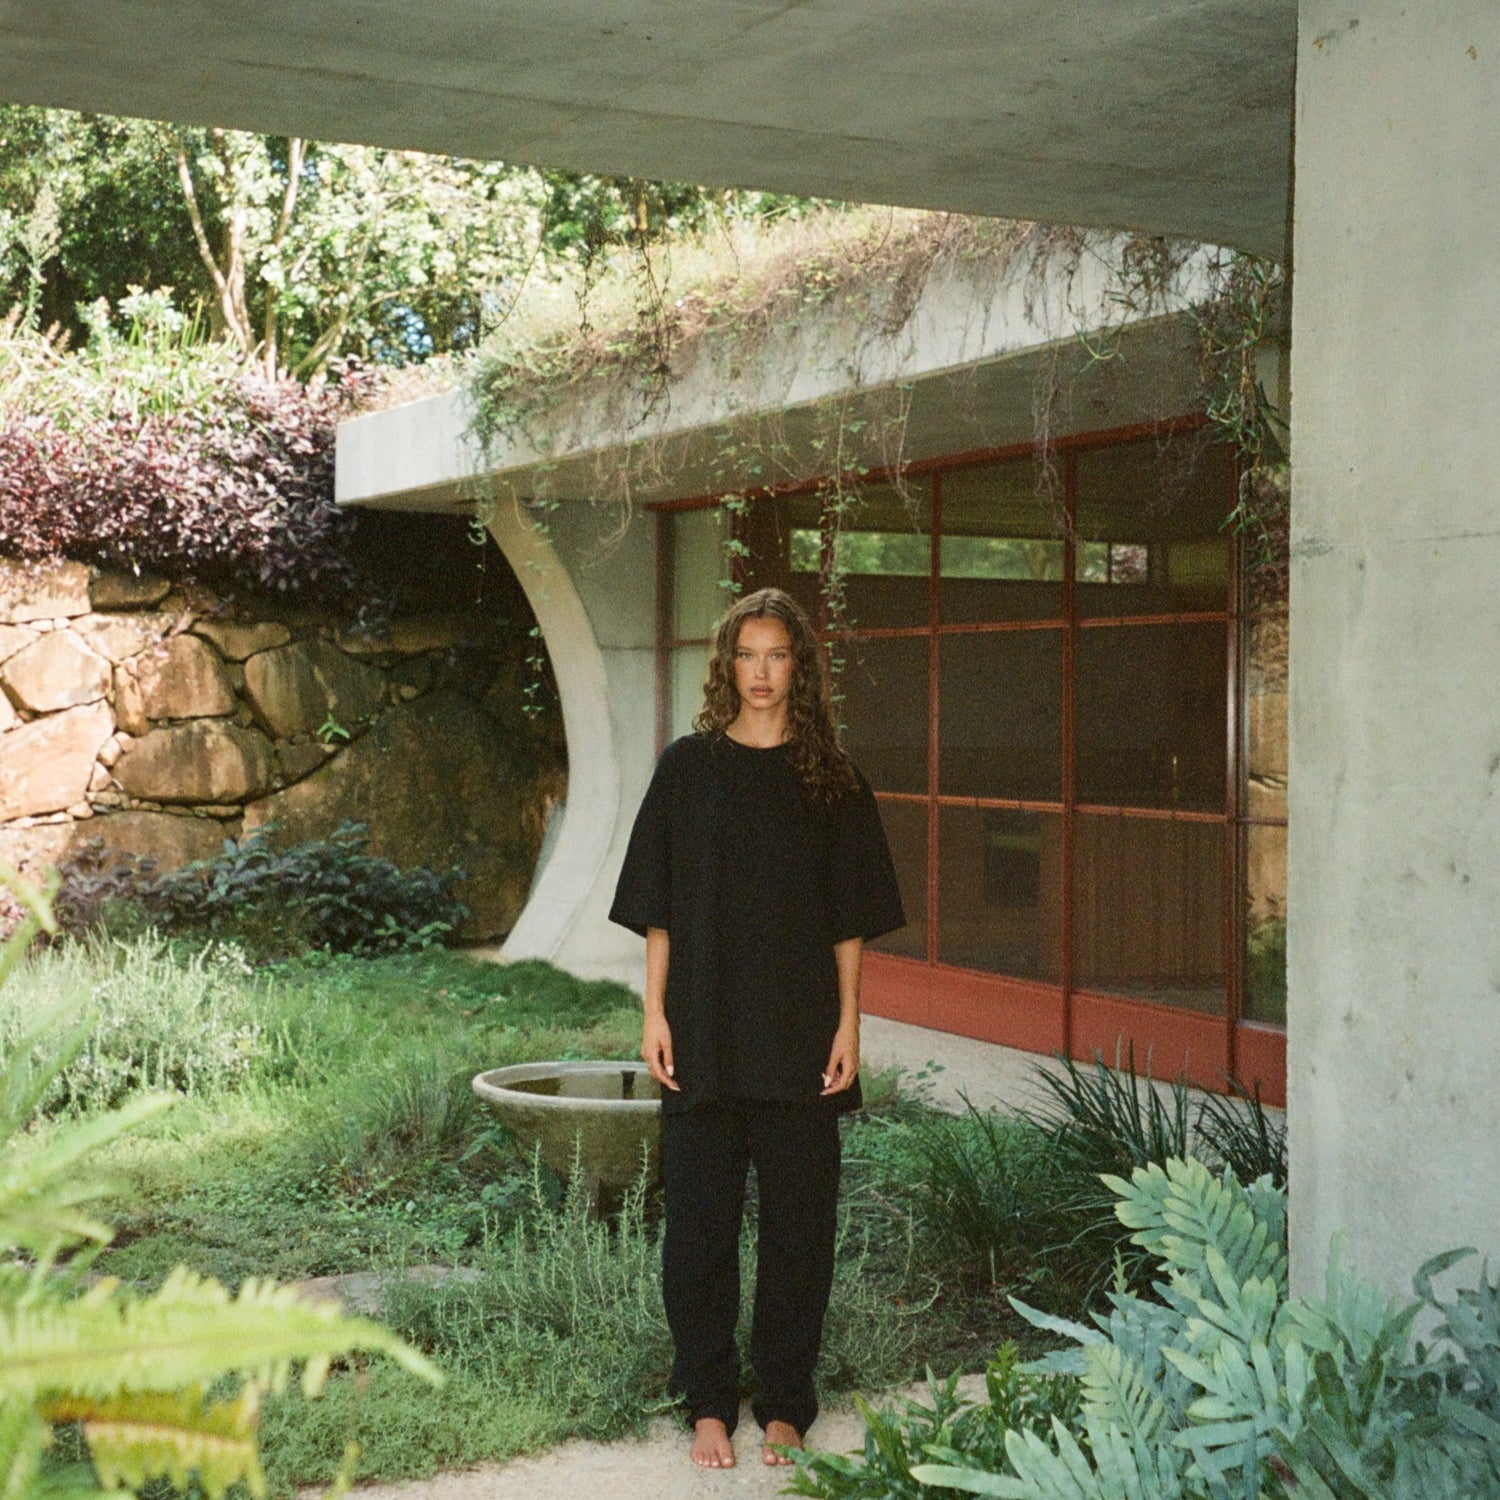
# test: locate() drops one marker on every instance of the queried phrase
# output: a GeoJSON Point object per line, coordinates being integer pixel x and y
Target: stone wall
{"type": "Point", "coordinates": [162, 721]}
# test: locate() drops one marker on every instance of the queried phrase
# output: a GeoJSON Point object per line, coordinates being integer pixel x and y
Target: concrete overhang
{"type": "Point", "coordinates": [977, 365]}
{"type": "Point", "coordinates": [1169, 116]}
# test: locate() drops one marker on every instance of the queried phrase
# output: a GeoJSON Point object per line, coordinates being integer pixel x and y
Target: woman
{"type": "Point", "coordinates": [756, 870]}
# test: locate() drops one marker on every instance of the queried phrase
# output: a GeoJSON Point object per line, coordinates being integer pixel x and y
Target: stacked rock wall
{"type": "Point", "coordinates": [162, 722]}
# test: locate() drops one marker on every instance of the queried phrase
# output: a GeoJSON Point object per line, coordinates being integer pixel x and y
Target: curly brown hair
{"type": "Point", "coordinates": [819, 759]}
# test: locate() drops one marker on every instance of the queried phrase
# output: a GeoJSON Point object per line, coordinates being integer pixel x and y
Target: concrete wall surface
{"type": "Point", "coordinates": [593, 595]}
{"type": "Point", "coordinates": [1394, 1026]}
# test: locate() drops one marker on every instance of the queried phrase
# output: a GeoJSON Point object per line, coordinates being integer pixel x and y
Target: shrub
{"type": "Point", "coordinates": [946, 1428]}
{"type": "Point", "coordinates": [325, 893]}
{"type": "Point", "coordinates": [150, 449]}
{"type": "Point", "coordinates": [236, 491]}
{"type": "Point", "coordinates": [179, 1022]}
{"type": "Point", "coordinates": [1227, 1387]}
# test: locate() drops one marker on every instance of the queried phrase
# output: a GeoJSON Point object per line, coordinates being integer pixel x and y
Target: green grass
{"type": "Point", "coordinates": [346, 1137]}
{"type": "Point", "coordinates": [348, 1144]}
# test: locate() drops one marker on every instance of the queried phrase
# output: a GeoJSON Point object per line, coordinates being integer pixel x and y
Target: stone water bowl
{"type": "Point", "coordinates": [608, 1113]}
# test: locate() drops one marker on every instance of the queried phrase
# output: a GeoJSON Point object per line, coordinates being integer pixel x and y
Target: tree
{"type": "Point", "coordinates": [293, 252]}
{"type": "Point", "coordinates": [296, 252]}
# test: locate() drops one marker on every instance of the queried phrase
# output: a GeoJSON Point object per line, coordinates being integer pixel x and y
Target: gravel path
{"type": "Point", "coordinates": [654, 1468]}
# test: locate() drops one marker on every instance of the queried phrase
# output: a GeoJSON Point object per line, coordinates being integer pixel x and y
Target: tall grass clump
{"type": "Point", "coordinates": [182, 1021]}
{"type": "Point", "coordinates": [983, 1189]}
{"type": "Point", "coordinates": [565, 1306]}
{"type": "Point", "coordinates": [397, 1122]}
{"type": "Point", "coordinates": [1020, 1200]}
{"type": "Point", "coordinates": [1233, 1132]}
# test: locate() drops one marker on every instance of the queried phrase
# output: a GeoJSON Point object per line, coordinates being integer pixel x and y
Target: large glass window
{"type": "Point", "coordinates": [687, 667]}
{"type": "Point", "coordinates": [1263, 916]}
{"type": "Point", "coordinates": [1148, 909]}
{"type": "Point", "coordinates": [1151, 715]}
{"type": "Point", "coordinates": [1263, 884]}
{"type": "Point", "coordinates": [1073, 771]}
{"type": "Point", "coordinates": [999, 891]}
{"type": "Point", "coordinates": [1000, 701]}
{"type": "Point", "coordinates": [871, 551]}
{"type": "Point", "coordinates": [882, 684]}
{"type": "Point", "coordinates": [700, 567]}
{"type": "Point", "coordinates": [699, 561]}
{"type": "Point", "coordinates": [1001, 549]}
{"type": "Point", "coordinates": [906, 833]}
{"type": "Point", "coordinates": [1150, 528]}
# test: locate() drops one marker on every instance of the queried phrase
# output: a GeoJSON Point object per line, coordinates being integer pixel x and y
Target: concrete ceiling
{"type": "Point", "coordinates": [1172, 116]}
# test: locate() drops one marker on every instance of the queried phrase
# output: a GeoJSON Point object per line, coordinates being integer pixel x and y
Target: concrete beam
{"type": "Point", "coordinates": [1171, 116]}
{"type": "Point", "coordinates": [969, 361]}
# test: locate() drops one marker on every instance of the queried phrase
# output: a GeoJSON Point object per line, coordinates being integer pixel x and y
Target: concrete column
{"type": "Point", "coordinates": [1394, 890]}
{"type": "Point", "coordinates": [594, 598]}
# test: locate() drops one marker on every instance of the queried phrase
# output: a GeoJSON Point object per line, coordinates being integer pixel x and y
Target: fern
{"type": "Point", "coordinates": [188, 1333]}
{"type": "Point", "coordinates": [133, 1372]}
{"type": "Point", "coordinates": [1223, 1389]}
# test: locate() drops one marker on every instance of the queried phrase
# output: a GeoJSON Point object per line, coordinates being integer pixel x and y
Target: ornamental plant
{"type": "Point", "coordinates": [328, 893]}
{"type": "Point", "coordinates": [165, 1386]}
{"type": "Point", "coordinates": [148, 451]}
{"type": "Point", "coordinates": [1222, 1387]}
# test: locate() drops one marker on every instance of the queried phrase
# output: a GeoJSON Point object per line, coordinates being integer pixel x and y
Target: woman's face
{"type": "Point", "coordinates": [763, 663]}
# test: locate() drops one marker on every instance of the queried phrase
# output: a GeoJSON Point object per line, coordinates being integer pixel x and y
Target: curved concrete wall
{"type": "Point", "coordinates": [603, 659]}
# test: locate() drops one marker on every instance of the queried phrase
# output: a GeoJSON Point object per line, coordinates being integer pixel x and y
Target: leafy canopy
{"type": "Point", "coordinates": [297, 252]}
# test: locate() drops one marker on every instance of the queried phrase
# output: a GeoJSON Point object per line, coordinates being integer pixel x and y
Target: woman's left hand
{"type": "Point", "coordinates": [843, 1061]}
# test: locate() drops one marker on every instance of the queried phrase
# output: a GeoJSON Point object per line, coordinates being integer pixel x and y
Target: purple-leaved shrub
{"type": "Point", "coordinates": [235, 489]}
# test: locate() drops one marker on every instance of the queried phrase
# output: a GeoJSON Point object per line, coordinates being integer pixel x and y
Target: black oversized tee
{"type": "Point", "coordinates": [754, 881]}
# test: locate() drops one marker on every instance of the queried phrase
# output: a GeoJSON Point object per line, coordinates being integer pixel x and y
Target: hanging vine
{"type": "Point", "coordinates": [653, 318]}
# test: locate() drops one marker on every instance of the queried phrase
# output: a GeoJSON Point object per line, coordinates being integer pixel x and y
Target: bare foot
{"type": "Point", "coordinates": [711, 1446]}
{"type": "Point", "coordinates": [779, 1435]}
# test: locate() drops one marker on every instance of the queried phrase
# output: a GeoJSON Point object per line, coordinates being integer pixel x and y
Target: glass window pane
{"type": "Point", "coordinates": [700, 571]}
{"type": "Point", "coordinates": [689, 668]}
{"type": "Point", "coordinates": [1265, 925]}
{"type": "Point", "coordinates": [766, 529]}
{"type": "Point", "coordinates": [1265, 717]}
{"type": "Point", "coordinates": [883, 690]}
{"type": "Point", "coordinates": [1150, 729]}
{"type": "Point", "coordinates": [1001, 715]}
{"type": "Point", "coordinates": [1148, 910]}
{"type": "Point", "coordinates": [881, 553]}
{"type": "Point", "coordinates": [906, 832]}
{"type": "Point", "coordinates": [1151, 537]}
{"type": "Point", "coordinates": [1000, 891]}
{"type": "Point", "coordinates": [1001, 551]}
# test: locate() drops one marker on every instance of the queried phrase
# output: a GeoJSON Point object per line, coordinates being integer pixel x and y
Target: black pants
{"type": "Point", "coordinates": [706, 1154]}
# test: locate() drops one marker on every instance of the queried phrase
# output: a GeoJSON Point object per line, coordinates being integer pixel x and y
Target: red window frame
{"type": "Point", "coordinates": [1034, 1015]}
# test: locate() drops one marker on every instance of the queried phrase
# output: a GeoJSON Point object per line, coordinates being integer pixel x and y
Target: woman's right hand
{"type": "Point", "coordinates": [656, 1049]}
